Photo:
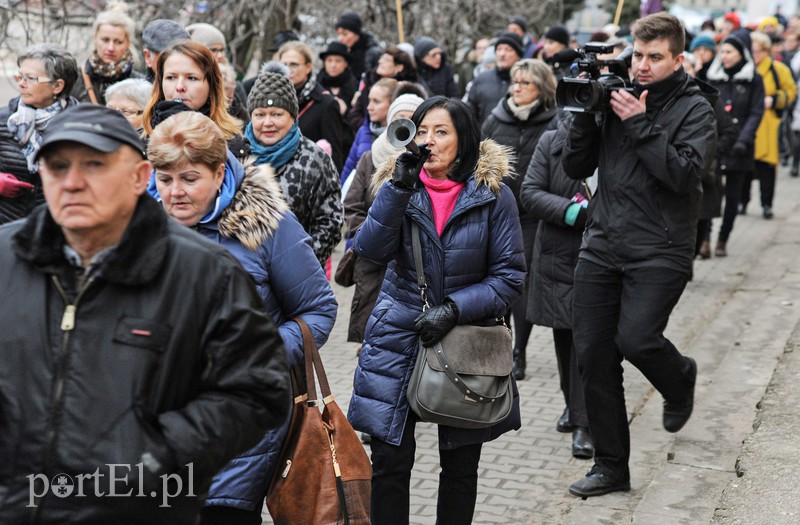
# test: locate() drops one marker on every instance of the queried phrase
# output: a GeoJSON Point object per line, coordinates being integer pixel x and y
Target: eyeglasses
{"type": "Point", "coordinates": [217, 50]}
{"type": "Point", "coordinates": [27, 79]}
{"type": "Point", "coordinates": [127, 112]}
{"type": "Point", "coordinates": [522, 83]}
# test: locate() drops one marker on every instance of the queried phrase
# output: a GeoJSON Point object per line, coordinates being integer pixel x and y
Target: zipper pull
{"type": "Point", "coordinates": [68, 320]}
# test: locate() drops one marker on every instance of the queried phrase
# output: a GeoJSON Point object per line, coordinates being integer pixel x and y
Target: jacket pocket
{"type": "Point", "coordinates": [142, 333]}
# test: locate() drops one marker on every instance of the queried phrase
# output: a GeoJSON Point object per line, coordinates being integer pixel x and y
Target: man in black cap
{"type": "Point", "coordinates": [157, 36]}
{"type": "Point", "coordinates": [364, 49]}
{"type": "Point", "coordinates": [136, 357]}
{"type": "Point", "coordinates": [490, 86]}
{"type": "Point", "coordinates": [517, 24]}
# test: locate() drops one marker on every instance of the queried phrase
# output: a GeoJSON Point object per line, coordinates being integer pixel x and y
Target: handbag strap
{"type": "Point", "coordinates": [313, 362]}
{"type": "Point", "coordinates": [87, 82]}
{"type": "Point", "coordinates": [457, 380]}
{"type": "Point", "coordinates": [416, 248]}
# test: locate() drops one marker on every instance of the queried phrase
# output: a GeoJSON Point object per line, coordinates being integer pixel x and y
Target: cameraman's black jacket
{"type": "Point", "coordinates": [644, 212]}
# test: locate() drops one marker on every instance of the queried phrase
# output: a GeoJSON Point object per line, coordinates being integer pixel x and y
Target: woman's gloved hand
{"type": "Point", "coordinates": [434, 323]}
{"type": "Point", "coordinates": [12, 187]}
{"type": "Point", "coordinates": [739, 149]}
{"type": "Point", "coordinates": [407, 168]}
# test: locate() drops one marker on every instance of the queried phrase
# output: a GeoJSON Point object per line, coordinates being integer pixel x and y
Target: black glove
{"type": "Point", "coordinates": [434, 323]}
{"type": "Point", "coordinates": [739, 149]}
{"type": "Point", "coordinates": [407, 168]}
{"type": "Point", "coordinates": [580, 220]}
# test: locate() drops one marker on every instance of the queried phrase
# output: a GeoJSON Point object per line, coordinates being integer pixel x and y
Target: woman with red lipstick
{"type": "Point", "coordinates": [474, 267]}
{"type": "Point", "coordinates": [112, 58]}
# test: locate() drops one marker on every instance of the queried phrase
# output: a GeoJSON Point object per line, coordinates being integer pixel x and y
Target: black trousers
{"type": "Point", "coordinates": [569, 376]}
{"type": "Point", "coordinates": [733, 191]}
{"type": "Point", "coordinates": [622, 314]}
{"type": "Point", "coordinates": [765, 173]}
{"type": "Point", "coordinates": [391, 479]}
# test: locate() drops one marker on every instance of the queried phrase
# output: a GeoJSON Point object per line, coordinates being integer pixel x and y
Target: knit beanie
{"type": "Point", "coordinates": [512, 40]}
{"type": "Point", "coordinates": [735, 42]}
{"type": "Point", "coordinates": [703, 40]}
{"type": "Point", "coordinates": [407, 102]}
{"type": "Point", "coordinates": [350, 21]}
{"type": "Point", "coordinates": [160, 34]}
{"type": "Point", "coordinates": [518, 20]}
{"type": "Point", "coordinates": [206, 34]}
{"type": "Point", "coordinates": [423, 45]}
{"type": "Point", "coordinates": [273, 89]}
{"type": "Point", "coordinates": [558, 34]}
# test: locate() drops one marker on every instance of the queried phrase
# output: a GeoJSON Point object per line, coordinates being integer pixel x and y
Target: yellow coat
{"type": "Point", "coordinates": [783, 95]}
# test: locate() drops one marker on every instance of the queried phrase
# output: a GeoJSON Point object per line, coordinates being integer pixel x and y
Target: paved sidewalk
{"type": "Point", "coordinates": [737, 319]}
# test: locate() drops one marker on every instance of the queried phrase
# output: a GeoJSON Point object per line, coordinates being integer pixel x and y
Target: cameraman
{"type": "Point", "coordinates": [638, 246]}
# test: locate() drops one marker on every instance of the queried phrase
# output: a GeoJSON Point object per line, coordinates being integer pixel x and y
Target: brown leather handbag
{"type": "Point", "coordinates": [324, 475]}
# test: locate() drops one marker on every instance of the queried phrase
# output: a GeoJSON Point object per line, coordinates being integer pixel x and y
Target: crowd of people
{"type": "Point", "coordinates": [161, 352]}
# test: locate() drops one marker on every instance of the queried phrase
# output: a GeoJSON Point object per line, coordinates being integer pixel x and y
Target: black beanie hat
{"type": "Point", "coordinates": [558, 34]}
{"type": "Point", "coordinates": [513, 40]}
{"type": "Point", "coordinates": [350, 21]}
{"type": "Point", "coordinates": [518, 20]}
{"type": "Point", "coordinates": [736, 42]}
{"type": "Point", "coordinates": [273, 89]}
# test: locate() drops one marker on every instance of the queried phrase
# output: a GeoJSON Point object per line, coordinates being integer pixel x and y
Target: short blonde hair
{"type": "Point", "coordinates": [187, 137]}
{"type": "Point", "coordinates": [300, 47]}
{"type": "Point", "coordinates": [542, 76]}
{"type": "Point", "coordinates": [762, 40]}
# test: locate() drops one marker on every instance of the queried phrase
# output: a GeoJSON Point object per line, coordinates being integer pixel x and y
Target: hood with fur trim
{"type": "Point", "coordinates": [716, 72]}
{"type": "Point", "coordinates": [257, 207]}
{"type": "Point", "coordinates": [494, 163]}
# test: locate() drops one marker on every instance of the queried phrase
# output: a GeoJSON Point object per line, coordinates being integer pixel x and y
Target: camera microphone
{"type": "Point", "coordinates": [567, 56]}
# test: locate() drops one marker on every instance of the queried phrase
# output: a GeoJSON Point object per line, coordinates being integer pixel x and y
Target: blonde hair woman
{"type": "Point", "coordinates": [113, 56]}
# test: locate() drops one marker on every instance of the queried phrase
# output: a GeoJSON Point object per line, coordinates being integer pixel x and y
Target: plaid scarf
{"type": "Point", "coordinates": [26, 127]}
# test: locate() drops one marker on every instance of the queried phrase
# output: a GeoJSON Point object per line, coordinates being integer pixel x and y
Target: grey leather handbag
{"type": "Point", "coordinates": [464, 380]}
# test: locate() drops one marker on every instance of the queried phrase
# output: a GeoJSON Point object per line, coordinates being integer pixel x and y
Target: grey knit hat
{"type": "Point", "coordinates": [273, 89]}
{"type": "Point", "coordinates": [159, 34]}
{"type": "Point", "coordinates": [206, 34]}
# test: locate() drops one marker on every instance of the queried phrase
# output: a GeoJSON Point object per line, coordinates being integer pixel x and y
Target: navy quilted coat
{"type": "Point", "coordinates": [478, 263]}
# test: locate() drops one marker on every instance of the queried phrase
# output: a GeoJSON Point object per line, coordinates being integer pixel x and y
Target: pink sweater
{"type": "Point", "coordinates": [443, 194]}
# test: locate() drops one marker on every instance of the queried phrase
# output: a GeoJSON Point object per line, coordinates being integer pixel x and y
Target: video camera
{"type": "Point", "coordinates": [593, 94]}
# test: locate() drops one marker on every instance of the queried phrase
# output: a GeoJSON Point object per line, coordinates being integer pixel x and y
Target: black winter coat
{"type": "Point", "coordinates": [487, 89]}
{"type": "Point", "coordinates": [170, 361]}
{"type": "Point", "coordinates": [438, 81]}
{"type": "Point", "coordinates": [743, 99]}
{"type": "Point", "coordinates": [521, 136]}
{"type": "Point", "coordinates": [13, 161]}
{"type": "Point", "coordinates": [546, 194]}
{"type": "Point", "coordinates": [364, 54]}
{"type": "Point", "coordinates": [320, 118]}
{"type": "Point", "coordinates": [645, 210]}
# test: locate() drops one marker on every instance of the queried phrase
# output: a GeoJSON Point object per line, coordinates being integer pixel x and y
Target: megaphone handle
{"type": "Point", "coordinates": [413, 148]}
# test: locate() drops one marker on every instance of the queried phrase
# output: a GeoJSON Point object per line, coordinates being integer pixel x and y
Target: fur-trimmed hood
{"type": "Point", "coordinates": [494, 163]}
{"type": "Point", "coordinates": [716, 72]}
{"type": "Point", "coordinates": [257, 207]}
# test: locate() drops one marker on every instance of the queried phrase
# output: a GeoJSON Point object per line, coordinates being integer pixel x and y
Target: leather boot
{"type": "Point", "coordinates": [582, 446]}
{"type": "Point", "coordinates": [705, 250]}
{"type": "Point", "coordinates": [519, 364]}
{"type": "Point", "coordinates": [721, 250]}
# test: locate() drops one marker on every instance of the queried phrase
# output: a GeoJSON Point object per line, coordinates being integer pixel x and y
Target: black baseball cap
{"type": "Point", "coordinates": [98, 127]}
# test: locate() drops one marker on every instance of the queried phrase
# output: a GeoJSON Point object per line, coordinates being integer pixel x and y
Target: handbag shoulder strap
{"type": "Point", "coordinates": [89, 87]}
{"type": "Point", "coordinates": [416, 248]}
{"type": "Point", "coordinates": [313, 362]}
